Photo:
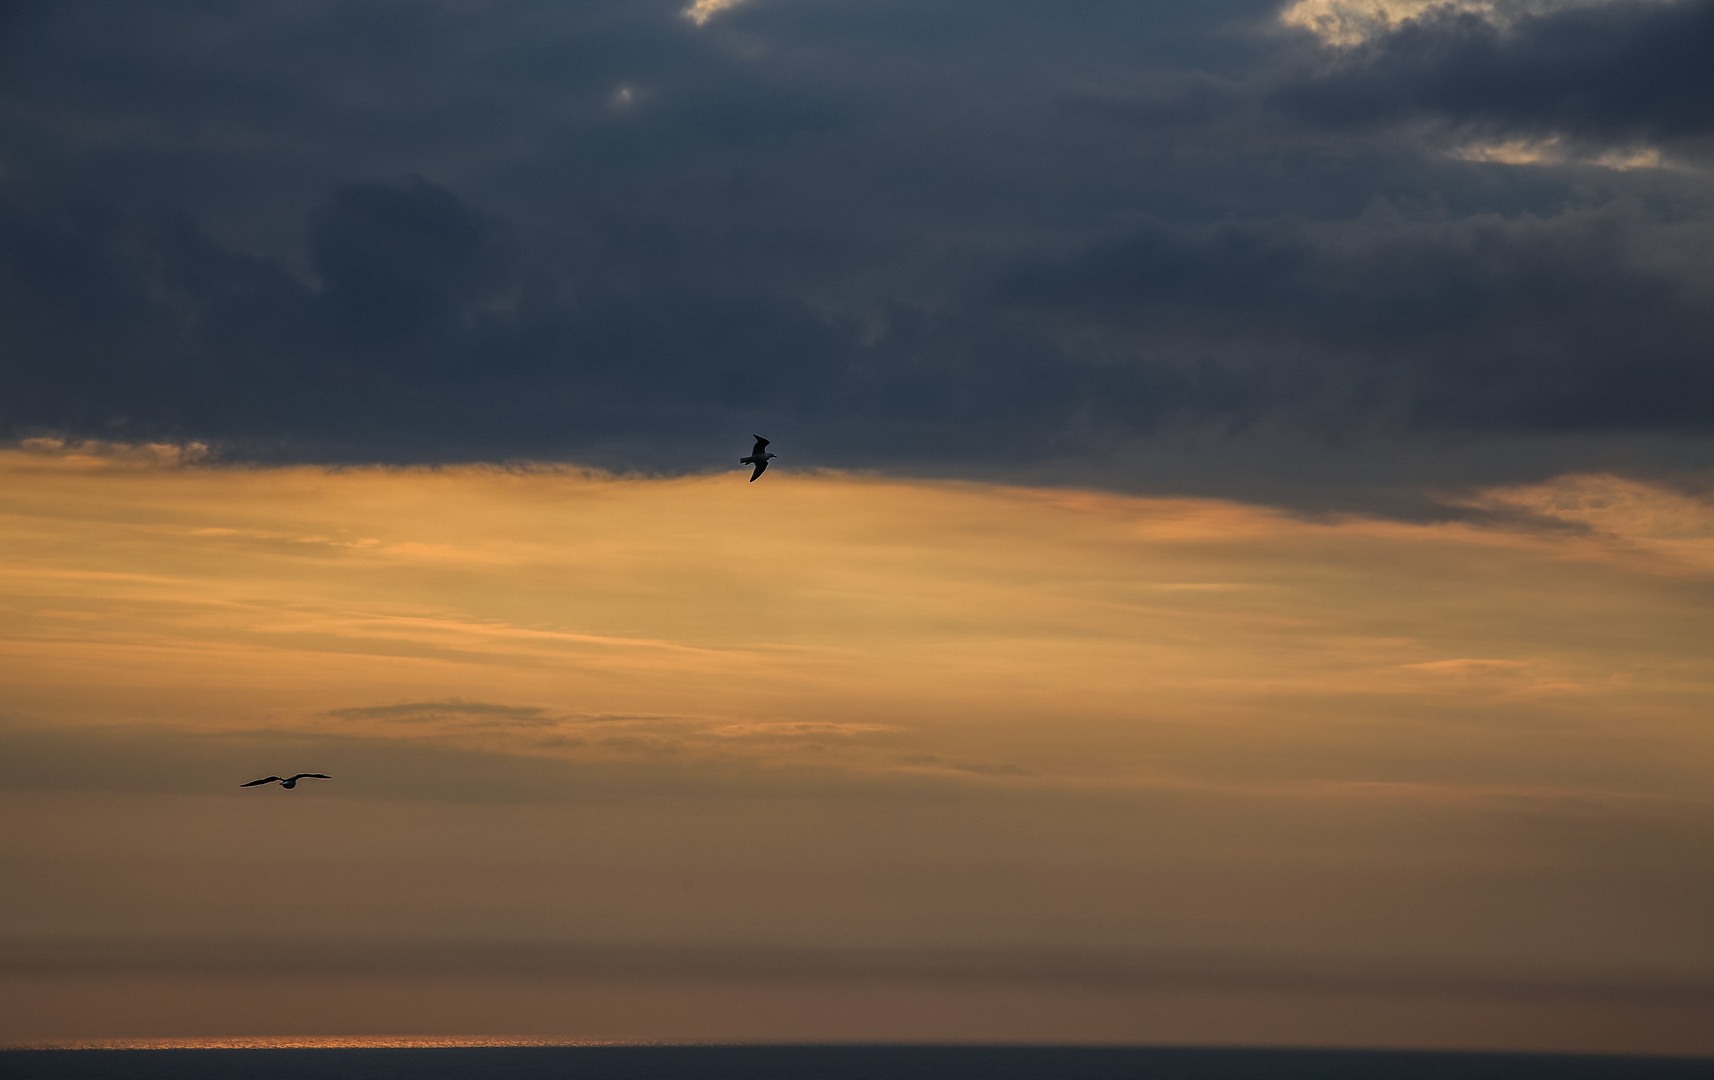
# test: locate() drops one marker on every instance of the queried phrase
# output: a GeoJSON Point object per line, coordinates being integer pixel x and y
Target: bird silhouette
{"type": "Point", "coordinates": [758, 457]}
{"type": "Point", "coordinates": [287, 781]}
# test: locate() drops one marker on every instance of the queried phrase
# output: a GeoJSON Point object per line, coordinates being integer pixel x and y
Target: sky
{"type": "Point", "coordinates": [1238, 568]}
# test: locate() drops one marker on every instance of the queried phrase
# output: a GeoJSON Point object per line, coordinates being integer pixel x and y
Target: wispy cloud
{"type": "Point", "coordinates": [1348, 23]}
{"type": "Point", "coordinates": [1470, 666]}
{"type": "Point", "coordinates": [452, 709]}
{"type": "Point", "coordinates": [93, 453]}
{"type": "Point", "coordinates": [1555, 150]}
{"type": "Point", "coordinates": [702, 11]}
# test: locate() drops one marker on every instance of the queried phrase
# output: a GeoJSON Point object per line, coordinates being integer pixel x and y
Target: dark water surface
{"type": "Point", "coordinates": [825, 1063]}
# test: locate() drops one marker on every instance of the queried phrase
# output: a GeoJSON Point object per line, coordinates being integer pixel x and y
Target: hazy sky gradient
{"type": "Point", "coordinates": [936, 731]}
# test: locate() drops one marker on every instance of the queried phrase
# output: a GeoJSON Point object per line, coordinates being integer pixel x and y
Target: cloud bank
{"type": "Point", "coordinates": [1179, 248]}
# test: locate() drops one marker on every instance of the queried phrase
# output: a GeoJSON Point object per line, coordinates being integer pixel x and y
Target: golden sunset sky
{"type": "Point", "coordinates": [837, 756]}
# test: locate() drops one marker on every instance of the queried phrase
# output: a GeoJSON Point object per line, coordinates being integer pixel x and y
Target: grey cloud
{"type": "Point", "coordinates": [405, 265]}
{"type": "Point", "coordinates": [1586, 321]}
{"type": "Point", "coordinates": [452, 709]}
{"type": "Point", "coordinates": [1625, 71]}
{"type": "Point", "coordinates": [141, 325]}
{"type": "Point", "coordinates": [979, 768]}
{"type": "Point", "coordinates": [1014, 242]}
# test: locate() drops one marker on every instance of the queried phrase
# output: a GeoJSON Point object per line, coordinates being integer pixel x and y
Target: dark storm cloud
{"type": "Point", "coordinates": [1625, 72]}
{"type": "Point", "coordinates": [927, 237]}
{"type": "Point", "coordinates": [404, 265]}
{"type": "Point", "coordinates": [1588, 321]}
{"type": "Point", "coordinates": [139, 323]}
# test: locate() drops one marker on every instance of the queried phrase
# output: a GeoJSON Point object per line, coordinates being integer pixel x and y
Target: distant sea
{"type": "Point", "coordinates": [421, 1060]}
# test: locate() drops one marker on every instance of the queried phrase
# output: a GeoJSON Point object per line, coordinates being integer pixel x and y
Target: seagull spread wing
{"type": "Point", "coordinates": [264, 780]}
{"type": "Point", "coordinates": [317, 775]}
{"type": "Point", "coordinates": [761, 466]}
{"type": "Point", "coordinates": [761, 445]}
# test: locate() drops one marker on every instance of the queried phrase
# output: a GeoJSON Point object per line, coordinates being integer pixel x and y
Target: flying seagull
{"type": "Point", "coordinates": [287, 781]}
{"type": "Point", "coordinates": [758, 457]}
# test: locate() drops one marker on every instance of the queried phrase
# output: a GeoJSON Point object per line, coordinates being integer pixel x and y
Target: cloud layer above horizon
{"type": "Point", "coordinates": [1198, 248]}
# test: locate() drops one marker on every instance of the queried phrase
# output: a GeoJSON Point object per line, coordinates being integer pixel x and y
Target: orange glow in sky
{"type": "Point", "coordinates": [1158, 743]}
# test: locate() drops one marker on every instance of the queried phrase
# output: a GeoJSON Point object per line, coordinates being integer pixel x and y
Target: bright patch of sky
{"type": "Point", "coordinates": [703, 10]}
{"type": "Point", "coordinates": [1352, 22]}
{"type": "Point", "coordinates": [1555, 151]}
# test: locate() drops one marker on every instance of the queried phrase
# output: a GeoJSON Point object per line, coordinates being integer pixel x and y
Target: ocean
{"type": "Point", "coordinates": [866, 1062]}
